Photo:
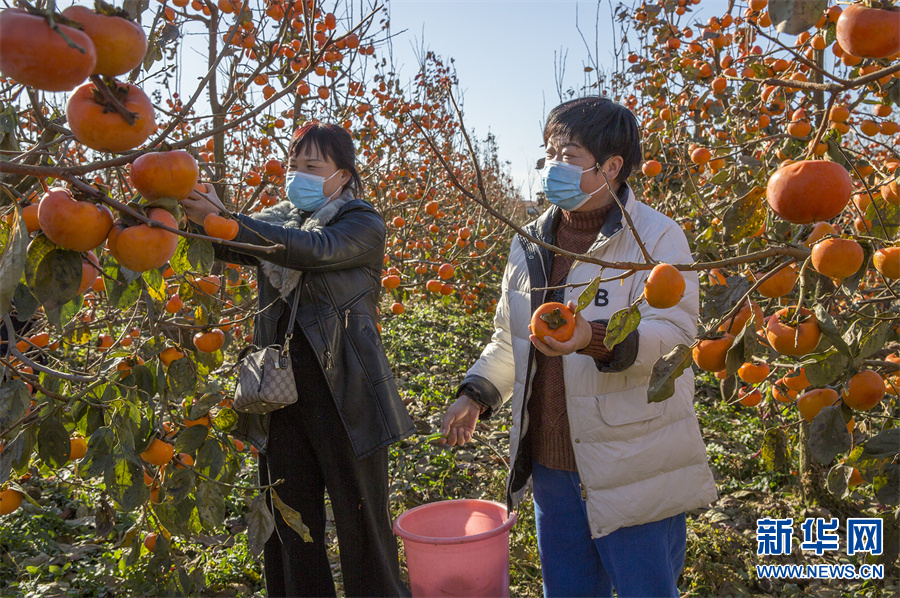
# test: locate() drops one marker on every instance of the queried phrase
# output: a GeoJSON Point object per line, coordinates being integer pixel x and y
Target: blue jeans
{"type": "Point", "coordinates": [640, 561]}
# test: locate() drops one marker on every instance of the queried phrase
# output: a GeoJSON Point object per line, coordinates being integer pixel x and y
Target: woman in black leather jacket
{"type": "Point", "coordinates": [336, 436]}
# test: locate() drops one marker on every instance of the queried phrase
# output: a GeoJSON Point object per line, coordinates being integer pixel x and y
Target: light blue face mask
{"type": "Point", "coordinates": [307, 191]}
{"type": "Point", "coordinates": [562, 185]}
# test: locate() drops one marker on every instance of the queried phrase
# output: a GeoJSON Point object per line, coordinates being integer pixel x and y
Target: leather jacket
{"type": "Point", "coordinates": [339, 292]}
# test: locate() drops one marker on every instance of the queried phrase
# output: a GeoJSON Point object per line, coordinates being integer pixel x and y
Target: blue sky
{"type": "Point", "coordinates": [504, 58]}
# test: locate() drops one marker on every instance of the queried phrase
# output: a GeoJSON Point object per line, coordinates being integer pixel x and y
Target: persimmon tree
{"type": "Point", "coordinates": [120, 331]}
{"type": "Point", "coordinates": [770, 135]}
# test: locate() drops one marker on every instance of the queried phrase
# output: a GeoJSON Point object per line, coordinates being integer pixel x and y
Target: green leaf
{"type": "Point", "coordinates": [61, 316]}
{"type": "Point", "coordinates": [587, 295]}
{"type": "Point", "coordinates": [201, 406]}
{"type": "Point", "coordinates": [621, 324]}
{"type": "Point", "coordinates": [54, 446]}
{"type": "Point", "coordinates": [795, 16]}
{"type": "Point", "coordinates": [885, 227]}
{"type": "Point", "coordinates": [720, 298]}
{"type": "Point", "coordinates": [873, 339]}
{"type": "Point", "coordinates": [190, 439]}
{"type": "Point", "coordinates": [26, 304]}
{"type": "Point", "coordinates": [828, 435]}
{"type": "Point", "coordinates": [12, 451]}
{"type": "Point", "coordinates": [125, 481]}
{"type": "Point", "coordinates": [156, 286]}
{"type": "Point", "coordinates": [143, 381]}
{"type": "Point", "coordinates": [826, 368]}
{"type": "Point", "coordinates": [776, 451]}
{"type": "Point", "coordinates": [123, 287]}
{"type": "Point", "coordinates": [12, 262]}
{"type": "Point", "coordinates": [53, 273]}
{"type": "Point", "coordinates": [291, 517]}
{"type": "Point", "coordinates": [14, 403]}
{"type": "Point", "coordinates": [260, 524]}
{"type": "Point", "coordinates": [887, 486]}
{"type": "Point", "coordinates": [883, 446]}
{"type": "Point", "coordinates": [181, 378]}
{"type": "Point", "coordinates": [179, 483]}
{"type": "Point", "coordinates": [742, 348]}
{"type": "Point", "coordinates": [210, 505]}
{"type": "Point", "coordinates": [201, 254]}
{"type": "Point", "coordinates": [831, 330]}
{"type": "Point", "coordinates": [745, 216]}
{"type": "Point", "coordinates": [210, 459]}
{"type": "Point", "coordinates": [838, 480]}
{"type": "Point", "coordinates": [666, 371]}
{"type": "Point", "coordinates": [226, 420]}
{"type": "Point", "coordinates": [100, 453]}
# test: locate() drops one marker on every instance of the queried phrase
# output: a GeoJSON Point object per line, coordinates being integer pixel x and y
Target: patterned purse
{"type": "Point", "coordinates": [265, 377]}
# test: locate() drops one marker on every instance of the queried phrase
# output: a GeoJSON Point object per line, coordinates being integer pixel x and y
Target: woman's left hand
{"type": "Point", "coordinates": [581, 338]}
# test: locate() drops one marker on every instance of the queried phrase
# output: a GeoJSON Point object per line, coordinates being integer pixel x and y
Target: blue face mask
{"type": "Point", "coordinates": [306, 191]}
{"type": "Point", "coordinates": [562, 185]}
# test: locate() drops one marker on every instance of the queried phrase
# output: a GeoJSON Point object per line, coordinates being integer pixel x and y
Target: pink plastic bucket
{"type": "Point", "coordinates": [457, 548]}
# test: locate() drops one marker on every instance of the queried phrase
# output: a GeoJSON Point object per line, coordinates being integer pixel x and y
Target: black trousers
{"type": "Point", "coordinates": [309, 448]}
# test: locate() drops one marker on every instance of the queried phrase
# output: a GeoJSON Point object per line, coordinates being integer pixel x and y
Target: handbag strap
{"type": "Point", "coordinates": [290, 329]}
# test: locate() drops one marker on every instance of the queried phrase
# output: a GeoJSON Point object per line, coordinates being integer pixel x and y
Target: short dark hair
{"type": "Point", "coordinates": [602, 126]}
{"type": "Point", "coordinates": [332, 141]}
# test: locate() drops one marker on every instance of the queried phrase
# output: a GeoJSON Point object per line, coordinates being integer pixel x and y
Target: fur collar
{"type": "Point", "coordinates": [285, 214]}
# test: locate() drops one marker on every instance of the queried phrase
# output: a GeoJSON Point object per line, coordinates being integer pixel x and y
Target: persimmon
{"type": "Point", "coordinates": [736, 323]}
{"type": "Point", "coordinates": [397, 308]}
{"type": "Point", "coordinates": [207, 284]}
{"type": "Point", "coordinates": [203, 420]}
{"type": "Point", "coordinates": [812, 402]}
{"type": "Point", "coordinates": [33, 54]}
{"type": "Point", "coordinates": [220, 227]}
{"type": "Point", "coordinates": [72, 224]}
{"type": "Point", "coordinates": [809, 190]}
{"type": "Point", "coordinates": [120, 44]}
{"type": "Point", "coordinates": [783, 337]}
{"type": "Point", "coordinates": [100, 127]}
{"type": "Point", "coordinates": [150, 539]}
{"type": "Point", "coordinates": [753, 373]}
{"type": "Point", "coordinates": [709, 354]}
{"type": "Point", "coordinates": [701, 155]}
{"type": "Point", "coordinates": [90, 270]}
{"type": "Point", "coordinates": [165, 174]}
{"type": "Point", "coordinates": [836, 257]}
{"type": "Point", "coordinates": [10, 500]}
{"type": "Point", "coordinates": [869, 32]}
{"type": "Point", "coordinates": [183, 460]}
{"type": "Point", "coordinates": [142, 247]}
{"type": "Point", "coordinates": [796, 380]}
{"type": "Point", "coordinates": [554, 320]}
{"type": "Point", "coordinates": [158, 453]}
{"type": "Point", "coordinates": [887, 261]}
{"type": "Point", "coordinates": [864, 390]}
{"type": "Point", "coordinates": [77, 448]}
{"type": "Point", "coordinates": [783, 396]}
{"type": "Point", "coordinates": [174, 304]}
{"type": "Point", "coordinates": [390, 282]}
{"type": "Point", "coordinates": [818, 232]}
{"type": "Point", "coordinates": [211, 341]}
{"type": "Point", "coordinates": [446, 271]}
{"type": "Point", "coordinates": [779, 284]}
{"type": "Point", "coordinates": [30, 216]}
{"type": "Point", "coordinates": [855, 478]}
{"type": "Point", "coordinates": [890, 192]}
{"type": "Point", "coordinates": [750, 398]}
{"type": "Point", "coordinates": [170, 354]}
{"type": "Point", "coordinates": [651, 168]}
{"type": "Point", "coordinates": [664, 287]}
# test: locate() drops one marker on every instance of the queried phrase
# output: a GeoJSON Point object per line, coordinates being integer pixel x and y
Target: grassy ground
{"type": "Point", "coordinates": [55, 550]}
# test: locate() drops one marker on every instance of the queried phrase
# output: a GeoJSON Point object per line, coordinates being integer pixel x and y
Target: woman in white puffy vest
{"type": "Point", "coordinates": [612, 475]}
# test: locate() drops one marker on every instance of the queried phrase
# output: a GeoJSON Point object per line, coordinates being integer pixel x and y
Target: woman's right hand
{"type": "Point", "coordinates": [198, 205]}
{"type": "Point", "coordinates": [458, 424]}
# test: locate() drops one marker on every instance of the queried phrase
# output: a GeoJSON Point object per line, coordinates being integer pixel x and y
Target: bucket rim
{"type": "Point", "coordinates": [405, 535]}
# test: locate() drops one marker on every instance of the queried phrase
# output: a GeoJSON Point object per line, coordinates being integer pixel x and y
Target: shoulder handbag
{"type": "Point", "coordinates": [265, 376]}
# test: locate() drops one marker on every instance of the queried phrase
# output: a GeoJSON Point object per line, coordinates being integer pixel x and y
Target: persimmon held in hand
{"type": "Point", "coordinates": [554, 320]}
